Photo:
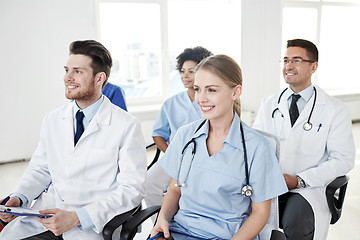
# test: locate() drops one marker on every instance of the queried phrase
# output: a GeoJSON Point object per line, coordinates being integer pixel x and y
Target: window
{"type": "Point", "coordinates": [146, 36]}
{"type": "Point", "coordinates": [131, 31]}
{"type": "Point", "coordinates": [330, 25]}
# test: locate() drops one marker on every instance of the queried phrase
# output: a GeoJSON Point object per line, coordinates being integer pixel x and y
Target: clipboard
{"type": "Point", "coordinates": [26, 212]}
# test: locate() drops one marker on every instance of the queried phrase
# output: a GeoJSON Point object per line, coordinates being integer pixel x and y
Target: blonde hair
{"type": "Point", "coordinates": [227, 69]}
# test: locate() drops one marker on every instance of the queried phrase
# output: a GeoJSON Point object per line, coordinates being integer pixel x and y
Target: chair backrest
{"type": "Point", "coordinates": [335, 191]}
{"type": "Point", "coordinates": [274, 141]}
{"type": "Point", "coordinates": [277, 235]}
{"type": "Point", "coordinates": [335, 196]}
{"type": "Point", "coordinates": [157, 154]}
{"type": "Point", "coordinates": [117, 221]}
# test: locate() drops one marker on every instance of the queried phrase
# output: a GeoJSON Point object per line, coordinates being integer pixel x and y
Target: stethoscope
{"type": "Point", "coordinates": [307, 125]}
{"type": "Point", "coordinates": [246, 190]}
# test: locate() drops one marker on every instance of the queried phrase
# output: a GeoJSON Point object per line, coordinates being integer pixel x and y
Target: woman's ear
{"type": "Point", "coordinates": [237, 92]}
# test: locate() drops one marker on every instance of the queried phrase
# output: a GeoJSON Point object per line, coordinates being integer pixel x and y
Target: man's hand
{"type": "Point", "coordinates": [291, 181]}
{"type": "Point", "coordinates": [61, 221]}
{"type": "Point", "coordinates": [12, 202]}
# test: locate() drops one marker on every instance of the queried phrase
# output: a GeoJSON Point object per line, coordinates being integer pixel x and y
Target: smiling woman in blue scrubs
{"type": "Point", "coordinates": [205, 198]}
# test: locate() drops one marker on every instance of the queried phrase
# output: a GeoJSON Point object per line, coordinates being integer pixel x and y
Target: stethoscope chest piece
{"type": "Point", "coordinates": [247, 191]}
{"type": "Point", "coordinates": [307, 126]}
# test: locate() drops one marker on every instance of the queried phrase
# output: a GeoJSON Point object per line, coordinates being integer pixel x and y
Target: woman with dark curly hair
{"type": "Point", "coordinates": [176, 111]}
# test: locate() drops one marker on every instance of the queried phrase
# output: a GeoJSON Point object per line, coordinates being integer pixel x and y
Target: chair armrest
{"type": "Point", "coordinates": [335, 203]}
{"type": "Point", "coordinates": [3, 223]}
{"type": "Point", "coordinates": [129, 229]}
{"type": "Point", "coordinates": [157, 154]}
{"type": "Point", "coordinates": [150, 145]}
{"type": "Point", "coordinates": [116, 222]}
{"type": "Point", "coordinates": [277, 235]}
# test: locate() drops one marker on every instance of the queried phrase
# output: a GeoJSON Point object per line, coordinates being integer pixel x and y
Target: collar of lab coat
{"type": "Point", "coordinates": [284, 108]}
{"type": "Point", "coordinates": [102, 117]}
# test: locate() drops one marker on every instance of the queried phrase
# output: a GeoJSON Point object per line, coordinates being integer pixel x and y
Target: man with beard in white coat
{"type": "Point", "coordinates": [316, 142]}
{"type": "Point", "coordinates": [87, 169]}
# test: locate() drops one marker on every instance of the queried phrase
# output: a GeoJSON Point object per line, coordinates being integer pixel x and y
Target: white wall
{"type": "Point", "coordinates": [261, 49]}
{"type": "Point", "coordinates": [35, 38]}
{"type": "Point", "coordinates": [34, 41]}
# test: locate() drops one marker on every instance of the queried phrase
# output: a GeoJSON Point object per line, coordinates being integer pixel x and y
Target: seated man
{"type": "Point", "coordinates": [316, 140]}
{"type": "Point", "coordinates": [90, 163]}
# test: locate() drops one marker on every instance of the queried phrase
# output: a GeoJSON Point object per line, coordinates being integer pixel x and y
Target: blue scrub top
{"type": "Point", "coordinates": [175, 112]}
{"type": "Point", "coordinates": [115, 94]}
{"type": "Point", "coordinates": [211, 203]}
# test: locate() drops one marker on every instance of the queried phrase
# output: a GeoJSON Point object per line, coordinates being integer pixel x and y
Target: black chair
{"type": "Point", "coordinates": [131, 220]}
{"type": "Point", "coordinates": [117, 221]}
{"type": "Point", "coordinates": [130, 227]}
{"type": "Point", "coordinates": [335, 196]}
{"type": "Point", "coordinates": [157, 154]}
{"type": "Point", "coordinates": [277, 235]}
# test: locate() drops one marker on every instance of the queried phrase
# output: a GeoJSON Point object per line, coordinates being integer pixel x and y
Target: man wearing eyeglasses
{"type": "Point", "coordinates": [316, 144]}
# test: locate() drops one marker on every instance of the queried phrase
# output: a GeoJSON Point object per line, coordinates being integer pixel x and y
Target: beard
{"type": "Point", "coordinates": [82, 93]}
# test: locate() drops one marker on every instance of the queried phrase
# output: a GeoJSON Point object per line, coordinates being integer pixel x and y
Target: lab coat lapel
{"type": "Point", "coordinates": [304, 115]}
{"type": "Point", "coordinates": [67, 117]}
{"type": "Point", "coordinates": [102, 117]}
{"type": "Point", "coordinates": [284, 109]}
{"type": "Point", "coordinates": [319, 106]}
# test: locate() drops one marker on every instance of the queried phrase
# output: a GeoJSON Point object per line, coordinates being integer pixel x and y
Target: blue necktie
{"type": "Point", "coordinates": [79, 126]}
{"type": "Point", "coordinates": [293, 110]}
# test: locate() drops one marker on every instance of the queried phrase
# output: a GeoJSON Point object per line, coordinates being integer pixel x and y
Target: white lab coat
{"type": "Point", "coordinates": [104, 173]}
{"type": "Point", "coordinates": [318, 156]}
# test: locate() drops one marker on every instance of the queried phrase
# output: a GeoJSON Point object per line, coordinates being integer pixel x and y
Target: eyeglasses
{"type": "Point", "coordinates": [296, 61]}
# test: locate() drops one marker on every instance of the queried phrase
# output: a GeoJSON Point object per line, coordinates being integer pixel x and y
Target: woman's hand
{"type": "Point", "coordinates": [161, 226]}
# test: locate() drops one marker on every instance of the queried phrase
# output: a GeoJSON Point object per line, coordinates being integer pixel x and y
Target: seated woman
{"type": "Point", "coordinates": [177, 111]}
{"type": "Point", "coordinates": [222, 185]}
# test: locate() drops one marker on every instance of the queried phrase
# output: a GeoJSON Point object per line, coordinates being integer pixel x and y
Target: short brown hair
{"type": "Point", "coordinates": [101, 57]}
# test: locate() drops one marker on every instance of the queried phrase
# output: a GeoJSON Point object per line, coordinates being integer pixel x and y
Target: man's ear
{"type": "Point", "coordinates": [314, 67]}
{"type": "Point", "coordinates": [100, 78]}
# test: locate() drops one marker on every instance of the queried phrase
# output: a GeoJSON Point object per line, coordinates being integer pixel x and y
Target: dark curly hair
{"type": "Point", "coordinates": [195, 54]}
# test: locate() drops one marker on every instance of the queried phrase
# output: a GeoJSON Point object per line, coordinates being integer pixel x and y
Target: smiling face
{"type": "Point", "coordinates": [80, 83]}
{"type": "Point", "coordinates": [298, 76]}
{"type": "Point", "coordinates": [187, 73]}
{"type": "Point", "coordinates": [214, 97]}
